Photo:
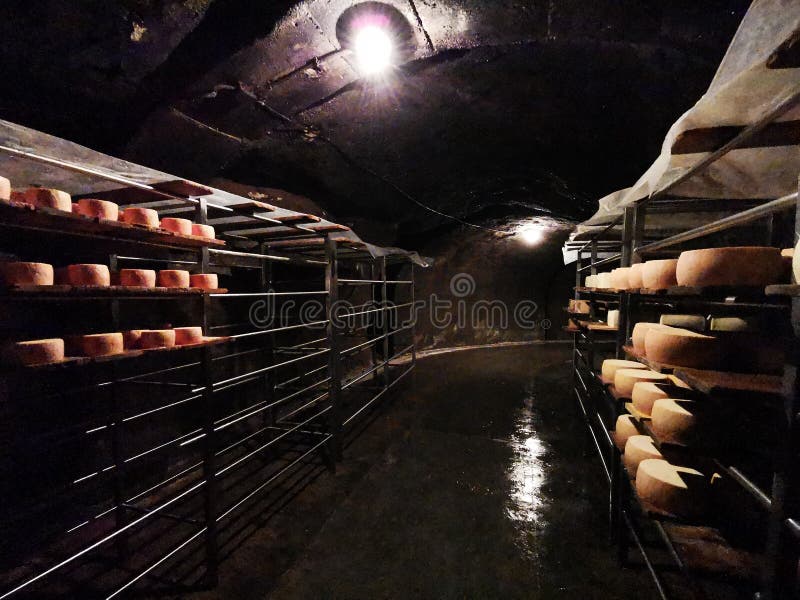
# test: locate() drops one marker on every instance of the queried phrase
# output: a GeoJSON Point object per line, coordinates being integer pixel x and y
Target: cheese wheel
{"type": "Point", "coordinates": [683, 348]}
{"type": "Point", "coordinates": [677, 382]}
{"type": "Point", "coordinates": [639, 332]}
{"type": "Point", "coordinates": [692, 322]}
{"type": "Point", "coordinates": [743, 265]}
{"type": "Point", "coordinates": [137, 278]}
{"type": "Point", "coordinates": [659, 274]}
{"type": "Point", "coordinates": [181, 226]}
{"type": "Point", "coordinates": [188, 335]}
{"type": "Point", "coordinates": [624, 429]}
{"type": "Point", "coordinates": [101, 344]}
{"type": "Point", "coordinates": [37, 352]}
{"type": "Point", "coordinates": [173, 278]}
{"type": "Point", "coordinates": [579, 306]}
{"type": "Point", "coordinates": [677, 490]}
{"type": "Point", "coordinates": [645, 394]}
{"type": "Point", "coordinates": [156, 338]}
{"type": "Point", "coordinates": [206, 281]}
{"type": "Point", "coordinates": [5, 189]}
{"type": "Point", "coordinates": [206, 231]}
{"type": "Point", "coordinates": [590, 281]}
{"type": "Point", "coordinates": [140, 216]}
{"type": "Point", "coordinates": [739, 324]}
{"type": "Point", "coordinates": [88, 275]}
{"type": "Point", "coordinates": [619, 278]}
{"type": "Point", "coordinates": [604, 281]}
{"type": "Point", "coordinates": [637, 449]}
{"type": "Point", "coordinates": [674, 420]}
{"type": "Point", "coordinates": [610, 367]}
{"type": "Point", "coordinates": [625, 379]}
{"type": "Point", "coordinates": [787, 252]}
{"type": "Point", "coordinates": [97, 209]}
{"type": "Point", "coordinates": [635, 274]}
{"type": "Point", "coordinates": [26, 273]}
{"type": "Point", "coordinates": [612, 318]}
{"type": "Point", "coordinates": [48, 198]}
{"type": "Point", "coordinates": [130, 339]}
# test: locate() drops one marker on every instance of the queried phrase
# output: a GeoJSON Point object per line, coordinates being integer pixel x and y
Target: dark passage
{"type": "Point", "coordinates": [472, 483]}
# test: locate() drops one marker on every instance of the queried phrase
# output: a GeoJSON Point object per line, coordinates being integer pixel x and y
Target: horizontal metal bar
{"type": "Point", "coordinates": [272, 257]}
{"type": "Point", "coordinates": [742, 218]}
{"type": "Point", "coordinates": [616, 221]}
{"type": "Point", "coordinates": [377, 396]}
{"type": "Point", "coordinates": [277, 329]}
{"type": "Point", "coordinates": [599, 263]}
{"type": "Point", "coordinates": [157, 260]}
{"type": "Point", "coordinates": [283, 384]}
{"type": "Point", "coordinates": [262, 294]}
{"type": "Point", "coordinates": [270, 368]}
{"type": "Point", "coordinates": [360, 281]}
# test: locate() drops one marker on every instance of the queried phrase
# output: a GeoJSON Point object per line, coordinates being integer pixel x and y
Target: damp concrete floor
{"type": "Point", "coordinates": [473, 480]}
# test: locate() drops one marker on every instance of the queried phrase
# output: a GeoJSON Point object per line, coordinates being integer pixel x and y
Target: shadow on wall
{"type": "Point", "coordinates": [487, 288]}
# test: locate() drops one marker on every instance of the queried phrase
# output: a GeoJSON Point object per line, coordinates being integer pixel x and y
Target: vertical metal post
{"type": "Point", "coordinates": [593, 267]}
{"type": "Point", "coordinates": [637, 239]}
{"type": "Point", "coordinates": [385, 323]}
{"type": "Point", "coordinates": [334, 358]}
{"type": "Point", "coordinates": [578, 265]}
{"type": "Point", "coordinates": [413, 317]}
{"type": "Point", "coordinates": [375, 319]}
{"type": "Point", "coordinates": [266, 285]}
{"type": "Point", "coordinates": [627, 235]}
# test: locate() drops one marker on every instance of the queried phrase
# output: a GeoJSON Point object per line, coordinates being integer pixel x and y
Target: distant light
{"type": "Point", "coordinates": [373, 48]}
{"type": "Point", "coordinates": [531, 234]}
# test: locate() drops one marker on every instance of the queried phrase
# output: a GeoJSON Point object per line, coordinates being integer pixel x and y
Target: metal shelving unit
{"type": "Point", "coordinates": [134, 472]}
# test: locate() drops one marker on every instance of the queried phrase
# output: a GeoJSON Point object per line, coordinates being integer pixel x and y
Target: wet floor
{"type": "Point", "coordinates": [472, 483]}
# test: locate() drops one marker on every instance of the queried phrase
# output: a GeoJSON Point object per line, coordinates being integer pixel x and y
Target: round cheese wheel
{"type": "Point", "coordinates": [140, 216]}
{"type": "Point", "coordinates": [181, 226]}
{"type": "Point", "coordinates": [612, 318]}
{"type": "Point", "coordinates": [188, 335]}
{"type": "Point", "coordinates": [174, 278]}
{"type": "Point", "coordinates": [97, 209]}
{"type": "Point", "coordinates": [693, 322]}
{"type": "Point", "coordinates": [639, 332]}
{"type": "Point", "coordinates": [5, 189]}
{"type": "Point", "coordinates": [619, 278]}
{"type": "Point", "coordinates": [625, 379]}
{"type": "Point", "coordinates": [206, 231]}
{"type": "Point", "coordinates": [604, 281]}
{"type": "Point", "coordinates": [130, 339]}
{"type": "Point", "coordinates": [612, 365]}
{"type": "Point", "coordinates": [674, 420]}
{"type": "Point", "coordinates": [681, 347]}
{"type": "Point", "coordinates": [88, 275]}
{"type": "Point", "coordinates": [48, 198]}
{"type": "Point", "coordinates": [38, 352]}
{"type": "Point", "coordinates": [743, 265]}
{"type": "Point", "coordinates": [635, 274]}
{"type": "Point", "coordinates": [26, 273]}
{"type": "Point", "coordinates": [156, 338]}
{"type": "Point", "coordinates": [101, 344]}
{"type": "Point", "coordinates": [206, 281]}
{"type": "Point", "coordinates": [659, 274]}
{"type": "Point", "coordinates": [137, 278]}
{"type": "Point", "coordinates": [624, 429]}
{"type": "Point", "coordinates": [644, 395]}
{"type": "Point", "coordinates": [739, 324]}
{"type": "Point", "coordinates": [677, 490]}
{"type": "Point", "coordinates": [637, 449]}
{"type": "Point", "coordinates": [590, 281]}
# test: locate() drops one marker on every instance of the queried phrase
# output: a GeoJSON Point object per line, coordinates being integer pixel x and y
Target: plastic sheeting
{"type": "Point", "coordinates": [744, 90]}
{"type": "Point", "coordinates": [84, 171]}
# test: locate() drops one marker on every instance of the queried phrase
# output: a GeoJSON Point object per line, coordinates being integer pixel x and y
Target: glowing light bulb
{"type": "Point", "coordinates": [531, 234]}
{"type": "Point", "coordinates": [373, 49]}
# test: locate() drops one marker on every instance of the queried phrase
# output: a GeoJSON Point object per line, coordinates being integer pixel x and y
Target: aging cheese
{"type": "Point", "coordinates": [735, 324]}
{"type": "Point", "coordinates": [156, 338]}
{"type": "Point", "coordinates": [619, 278]}
{"type": "Point", "coordinates": [637, 449]}
{"type": "Point", "coordinates": [37, 352]}
{"type": "Point", "coordinates": [137, 278]}
{"type": "Point", "coordinates": [625, 379]}
{"type": "Point", "coordinates": [130, 339]}
{"type": "Point", "coordinates": [612, 318]}
{"type": "Point", "coordinates": [97, 209]}
{"type": "Point", "coordinates": [48, 198]}
{"type": "Point", "coordinates": [639, 332]}
{"type": "Point", "coordinates": [174, 278]}
{"type": "Point", "coordinates": [140, 216]}
{"type": "Point", "coordinates": [659, 274]}
{"type": "Point", "coordinates": [26, 273]}
{"type": "Point", "coordinates": [624, 429]}
{"type": "Point", "coordinates": [681, 347]}
{"type": "Point", "coordinates": [674, 420]}
{"type": "Point", "coordinates": [5, 189]}
{"type": "Point", "coordinates": [604, 281]}
{"type": "Point", "coordinates": [101, 344]}
{"type": "Point", "coordinates": [612, 365]}
{"type": "Point", "coordinates": [635, 275]}
{"type": "Point", "coordinates": [677, 490]}
{"type": "Point", "coordinates": [645, 394]}
{"type": "Point", "coordinates": [590, 281]}
{"type": "Point", "coordinates": [692, 322]}
{"type": "Point", "coordinates": [576, 306]}
{"type": "Point", "coordinates": [206, 231]}
{"type": "Point", "coordinates": [181, 226]}
{"type": "Point", "coordinates": [88, 275]}
{"type": "Point", "coordinates": [188, 335]}
{"type": "Point", "coordinates": [206, 281]}
{"type": "Point", "coordinates": [742, 265]}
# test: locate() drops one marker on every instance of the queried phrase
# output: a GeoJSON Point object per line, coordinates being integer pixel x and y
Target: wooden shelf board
{"type": "Point", "coordinates": [722, 383]}
{"type": "Point", "coordinates": [783, 290]}
{"type": "Point", "coordinates": [110, 291]}
{"type": "Point", "coordinates": [655, 366]}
